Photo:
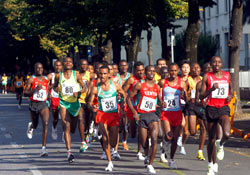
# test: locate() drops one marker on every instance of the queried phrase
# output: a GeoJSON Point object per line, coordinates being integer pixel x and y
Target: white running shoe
{"type": "Point", "coordinates": [210, 169]}
{"type": "Point", "coordinates": [116, 156]}
{"type": "Point", "coordinates": [44, 152]}
{"type": "Point", "coordinates": [146, 161]}
{"type": "Point", "coordinates": [172, 164]}
{"type": "Point", "coordinates": [19, 107]}
{"type": "Point", "coordinates": [95, 133]}
{"type": "Point", "coordinates": [109, 167]}
{"type": "Point", "coordinates": [182, 151]}
{"type": "Point", "coordinates": [140, 156]}
{"type": "Point", "coordinates": [54, 133]}
{"type": "Point", "coordinates": [29, 131]}
{"type": "Point", "coordinates": [215, 167]}
{"type": "Point", "coordinates": [163, 158]}
{"type": "Point", "coordinates": [151, 169]}
{"type": "Point", "coordinates": [219, 150]}
{"type": "Point", "coordinates": [103, 156]}
{"type": "Point", "coordinates": [91, 127]}
{"type": "Point", "coordinates": [179, 141]}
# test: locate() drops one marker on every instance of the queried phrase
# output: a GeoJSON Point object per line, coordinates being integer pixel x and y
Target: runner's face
{"type": "Point", "coordinates": [139, 72]}
{"type": "Point", "coordinates": [216, 64]}
{"type": "Point", "coordinates": [208, 68]}
{"type": "Point", "coordinates": [164, 74]}
{"type": "Point", "coordinates": [84, 65]}
{"type": "Point", "coordinates": [98, 68]}
{"type": "Point", "coordinates": [115, 69]}
{"type": "Point", "coordinates": [173, 71]}
{"type": "Point", "coordinates": [123, 67]}
{"type": "Point", "coordinates": [90, 68]}
{"type": "Point", "coordinates": [196, 69]}
{"type": "Point", "coordinates": [68, 64]}
{"type": "Point", "coordinates": [185, 69]}
{"type": "Point", "coordinates": [104, 75]}
{"type": "Point", "coordinates": [111, 71]}
{"type": "Point", "coordinates": [161, 64]}
{"type": "Point", "coordinates": [58, 67]}
{"type": "Point", "coordinates": [150, 73]}
{"type": "Point", "coordinates": [39, 69]}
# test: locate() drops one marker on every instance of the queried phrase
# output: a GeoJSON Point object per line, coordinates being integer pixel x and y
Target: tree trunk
{"type": "Point", "coordinates": [193, 31]}
{"type": "Point", "coordinates": [107, 51]}
{"type": "Point", "coordinates": [165, 50]}
{"type": "Point", "coordinates": [150, 46]}
{"type": "Point", "coordinates": [116, 38]}
{"type": "Point", "coordinates": [234, 46]}
{"type": "Point", "coordinates": [133, 47]}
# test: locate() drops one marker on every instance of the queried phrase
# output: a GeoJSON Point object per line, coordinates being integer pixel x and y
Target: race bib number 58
{"type": "Point", "coordinates": [148, 104]}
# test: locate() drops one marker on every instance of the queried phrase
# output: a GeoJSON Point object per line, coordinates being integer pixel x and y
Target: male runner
{"type": "Point", "coordinates": [171, 115]}
{"type": "Point", "coordinates": [115, 68]}
{"type": "Point", "coordinates": [4, 83]}
{"type": "Point", "coordinates": [19, 83]}
{"type": "Point", "coordinates": [55, 100]}
{"type": "Point", "coordinates": [107, 117]}
{"type": "Point", "coordinates": [219, 87]}
{"type": "Point", "coordinates": [37, 89]}
{"type": "Point", "coordinates": [69, 105]}
{"type": "Point", "coordinates": [159, 64]}
{"type": "Point", "coordinates": [147, 95]}
{"type": "Point", "coordinates": [127, 87]}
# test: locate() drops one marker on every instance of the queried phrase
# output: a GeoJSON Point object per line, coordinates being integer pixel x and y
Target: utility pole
{"type": "Point", "coordinates": [172, 44]}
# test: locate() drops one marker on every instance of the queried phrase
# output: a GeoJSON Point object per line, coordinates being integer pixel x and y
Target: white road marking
{"type": "Point", "coordinates": [3, 105]}
{"type": "Point", "coordinates": [14, 145]}
{"type": "Point", "coordinates": [35, 171]}
{"type": "Point", "coordinates": [22, 155]}
{"type": "Point", "coordinates": [7, 136]}
{"type": "Point", "coordinates": [3, 129]}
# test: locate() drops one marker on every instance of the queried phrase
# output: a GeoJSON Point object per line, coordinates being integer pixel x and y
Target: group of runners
{"type": "Point", "coordinates": [162, 102]}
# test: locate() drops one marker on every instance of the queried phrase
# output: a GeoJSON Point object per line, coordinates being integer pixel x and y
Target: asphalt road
{"type": "Point", "coordinates": [19, 155]}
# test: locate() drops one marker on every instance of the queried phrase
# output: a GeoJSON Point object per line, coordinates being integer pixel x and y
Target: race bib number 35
{"type": "Point", "coordinates": [40, 95]}
{"type": "Point", "coordinates": [148, 104]}
{"type": "Point", "coordinates": [68, 89]}
{"type": "Point", "coordinates": [109, 104]}
{"type": "Point", "coordinates": [221, 91]}
{"type": "Point", "coordinates": [172, 102]}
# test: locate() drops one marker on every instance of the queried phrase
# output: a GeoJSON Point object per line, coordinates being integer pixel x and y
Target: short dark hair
{"type": "Point", "coordinates": [105, 67]}
{"type": "Point", "coordinates": [37, 63]}
{"type": "Point", "coordinates": [160, 59]}
{"type": "Point", "coordinates": [194, 64]}
{"type": "Point", "coordinates": [123, 61]}
{"type": "Point", "coordinates": [114, 64]}
{"type": "Point", "coordinates": [64, 59]}
{"type": "Point", "coordinates": [185, 62]}
{"type": "Point", "coordinates": [147, 67]}
{"type": "Point", "coordinates": [173, 64]}
{"type": "Point", "coordinates": [138, 63]}
{"type": "Point", "coordinates": [81, 60]}
{"type": "Point", "coordinates": [162, 69]}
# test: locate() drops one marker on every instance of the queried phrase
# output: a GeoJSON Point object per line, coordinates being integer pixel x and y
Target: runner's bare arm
{"type": "Point", "coordinates": [184, 87]}
{"type": "Point", "coordinates": [92, 76]}
{"type": "Point", "coordinates": [27, 91]}
{"type": "Point", "coordinates": [161, 83]}
{"type": "Point", "coordinates": [131, 96]}
{"type": "Point", "coordinates": [91, 98]}
{"type": "Point", "coordinates": [128, 83]}
{"type": "Point", "coordinates": [204, 91]}
{"type": "Point", "coordinates": [160, 96]}
{"type": "Point", "coordinates": [80, 81]}
{"type": "Point", "coordinates": [198, 92]}
{"type": "Point", "coordinates": [49, 76]}
{"type": "Point", "coordinates": [231, 92]}
{"type": "Point", "coordinates": [120, 90]}
{"type": "Point", "coordinates": [56, 83]}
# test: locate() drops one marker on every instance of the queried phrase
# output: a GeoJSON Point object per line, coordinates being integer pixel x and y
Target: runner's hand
{"type": "Point", "coordinates": [94, 109]}
{"type": "Point", "coordinates": [75, 94]}
{"type": "Point", "coordinates": [38, 87]}
{"type": "Point", "coordinates": [229, 98]}
{"type": "Point", "coordinates": [136, 117]}
{"type": "Point", "coordinates": [215, 86]}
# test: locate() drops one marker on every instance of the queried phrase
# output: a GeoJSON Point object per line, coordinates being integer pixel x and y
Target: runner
{"type": "Point", "coordinates": [159, 64]}
{"type": "Point", "coordinates": [19, 83]}
{"type": "Point", "coordinates": [4, 83]}
{"type": "Point", "coordinates": [147, 95]}
{"type": "Point", "coordinates": [91, 68]}
{"type": "Point", "coordinates": [138, 76]}
{"type": "Point", "coordinates": [115, 68]}
{"type": "Point", "coordinates": [196, 111]}
{"type": "Point", "coordinates": [69, 105]}
{"type": "Point", "coordinates": [171, 115]}
{"type": "Point", "coordinates": [55, 100]}
{"type": "Point", "coordinates": [219, 87]}
{"type": "Point", "coordinates": [107, 117]}
{"type": "Point", "coordinates": [37, 90]}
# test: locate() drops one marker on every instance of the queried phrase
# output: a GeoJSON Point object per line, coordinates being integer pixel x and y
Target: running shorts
{"type": "Point", "coordinates": [54, 104]}
{"type": "Point", "coordinates": [110, 119]}
{"type": "Point", "coordinates": [72, 108]}
{"type": "Point", "coordinates": [19, 90]}
{"type": "Point", "coordinates": [147, 118]}
{"type": "Point", "coordinates": [174, 117]}
{"type": "Point", "coordinates": [213, 114]}
{"type": "Point", "coordinates": [197, 110]}
{"type": "Point", "coordinates": [37, 106]}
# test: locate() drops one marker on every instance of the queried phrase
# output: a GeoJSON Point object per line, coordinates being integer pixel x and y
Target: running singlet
{"type": "Point", "coordinates": [107, 100]}
{"type": "Point", "coordinates": [85, 79]}
{"type": "Point", "coordinates": [171, 96]}
{"type": "Point", "coordinates": [53, 93]}
{"type": "Point", "coordinates": [19, 82]}
{"type": "Point", "coordinates": [42, 94]}
{"type": "Point", "coordinates": [157, 77]}
{"type": "Point", "coordinates": [68, 87]}
{"type": "Point", "coordinates": [123, 79]}
{"type": "Point", "coordinates": [4, 79]}
{"type": "Point", "coordinates": [218, 97]}
{"type": "Point", "coordinates": [192, 86]}
{"type": "Point", "coordinates": [147, 98]}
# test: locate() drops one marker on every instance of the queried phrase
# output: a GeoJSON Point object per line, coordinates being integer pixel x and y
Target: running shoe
{"type": "Point", "coordinates": [109, 167]}
{"type": "Point", "coordinates": [151, 169]}
{"type": "Point", "coordinates": [210, 169]}
{"type": "Point", "coordinates": [215, 167]}
{"type": "Point", "coordinates": [124, 145]}
{"type": "Point", "coordinates": [91, 127]}
{"type": "Point", "coordinates": [140, 156]}
{"type": "Point", "coordinates": [172, 164]}
{"type": "Point", "coordinates": [116, 156]}
{"type": "Point", "coordinates": [43, 153]}
{"type": "Point", "coordinates": [54, 133]}
{"type": "Point", "coordinates": [163, 158]}
{"type": "Point", "coordinates": [83, 147]}
{"type": "Point", "coordinates": [146, 161]}
{"type": "Point", "coordinates": [30, 131]}
{"type": "Point", "coordinates": [71, 157]}
{"type": "Point", "coordinates": [179, 141]}
{"type": "Point", "coordinates": [95, 133]}
{"type": "Point", "coordinates": [182, 151]}
{"type": "Point", "coordinates": [219, 150]}
{"type": "Point", "coordinates": [200, 155]}
{"type": "Point", "coordinates": [103, 156]}
{"type": "Point", "coordinates": [19, 107]}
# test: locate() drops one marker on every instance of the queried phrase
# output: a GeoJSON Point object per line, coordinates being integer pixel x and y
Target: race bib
{"type": "Point", "coordinates": [148, 104]}
{"type": "Point", "coordinates": [40, 95]}
{"type": "Point", "coordinates": [68, 89]}
{"type": "Point", "coordinates": [221, 91]}
{"type": "Point", "coordinates": [19, 83]}
{"type": "Point", "coordinates": [109, 104]}
{"type": "Point", "coordinates": [173, 102]}
{"type": "Point", "coordinates": [54, 94]}
{"type": "Point", "coordinates": [193, 93]}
